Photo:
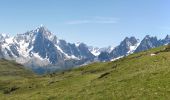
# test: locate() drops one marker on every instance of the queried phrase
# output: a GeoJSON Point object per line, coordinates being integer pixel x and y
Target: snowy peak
{"type": "Point", "coordinates": [126, 47]}
{"type": "Point", "coordinates": [131, 45]}
{"type": "Point", "coordinates": [44, 32]}
{"type": "Point", "coordinates": [31, 35]}
{"type": "Point", "coordinates": [39, 47]}
{"type": "Point", "coordinates": [129, 41]}
{"type": "Point", "coordinates": [3, 37]}
{"type": "Point", "coordinates": [94, 50]}
{"type": "Point", "coordinates": [77, 44]}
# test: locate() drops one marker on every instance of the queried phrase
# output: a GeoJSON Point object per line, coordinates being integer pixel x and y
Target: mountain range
{"type": "Point", "coordinates": [42, 51]}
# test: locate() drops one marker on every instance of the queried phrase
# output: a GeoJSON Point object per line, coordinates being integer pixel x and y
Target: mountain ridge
{"type": "Point", "coordinates": [41, 49]}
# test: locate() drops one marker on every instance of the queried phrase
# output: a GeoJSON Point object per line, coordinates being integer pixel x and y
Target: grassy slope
{"type": "Point", "coordinates": [12, 74]}
{"type": "Point", "coordinates": [138, 76]}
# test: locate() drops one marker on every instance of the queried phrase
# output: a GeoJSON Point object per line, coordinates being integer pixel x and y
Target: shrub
{"type": "Point", "coordinates": [167, 49]}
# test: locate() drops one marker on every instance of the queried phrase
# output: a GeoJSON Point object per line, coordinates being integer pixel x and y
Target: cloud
{"type": "Point", "coordinates": [95, 20]}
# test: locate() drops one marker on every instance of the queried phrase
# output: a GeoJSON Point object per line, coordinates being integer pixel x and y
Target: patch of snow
{"type": "Point", "coordinates": [23, 48]}
{"type": "Point", "coordinates": [37, 56]}
{"type": "Point", "coordinates": [133, 48]}
{"type": "Point", "coordinates": [117, 58]}
{"type": "Point", "coordinates": [74, 57]}
{"type": "Point", "coordinates": [60, 49]}
{"type": "Point", "coordinates": [67, 56]}
{"type": "Point", "coordinates": [41, 25]}
{"type": "Point", "coordinates": [95, 51]}
{"type": "Point", "coordinates": [77, 44]}
{"type": "Point", "coordinates": [107, 49]}
{"type": "Point", "coordinates": [152, 54]}
{"type": "Point", "coordinates": [111, 49]}
{"type": "Point", "coordinates": [9, 40]}
{"type": "Point", "coordinates": [4, 35]}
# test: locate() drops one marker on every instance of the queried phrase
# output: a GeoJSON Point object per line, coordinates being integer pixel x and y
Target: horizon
{"type": "Point", "coordinates": [95, 23]}
{"type": "Point", "coordinates": [159, 38]}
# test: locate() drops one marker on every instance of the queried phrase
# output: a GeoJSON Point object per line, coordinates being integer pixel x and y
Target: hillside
{"type": "Point", "coordinates": [11, 68]}
{"type": "Point", "coordinates": [144, 75]}
{"type": "Point", "coordinates": [12, 73]}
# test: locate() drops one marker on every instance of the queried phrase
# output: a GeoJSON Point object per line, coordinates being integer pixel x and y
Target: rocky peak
{"type": "Point", "coordinates": [167, 37]}
{"type": "Point", "coordinates": [44, 31]}
{"type": "Point", "coordinates": [147, 43]}
{"type": "Point", "coordinates": [129, 41]}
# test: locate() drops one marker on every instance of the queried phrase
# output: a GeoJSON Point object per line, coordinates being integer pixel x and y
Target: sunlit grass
{"type": "Point", "coordinates": [137, 76]}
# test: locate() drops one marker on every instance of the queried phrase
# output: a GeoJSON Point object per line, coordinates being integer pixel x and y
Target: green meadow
{"type": "Point", "coordinates": [139, 76]}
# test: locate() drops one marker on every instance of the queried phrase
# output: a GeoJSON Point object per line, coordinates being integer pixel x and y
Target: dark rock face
{"type": "Point", "coordinates": [166, 40]}
{"type": "Point", "coordinates": [84, 51]}
{"type": "Point", "coordinates": [1, 52]}
{"type": "Point", "coordinates": [74, 50]}
{"type": "Point", "coordinates": [124, 47]}
{"type": "Point", "coordinates": [69, 48]}
{"type": "Point", "coordinates": [45, 48]}
{"type": "Point", "coordinates": [147, 43]}
{"type": "Point", "coordinates": [104, 56]}
{"type": "Point", "coordinates": [14, 50]}
{"type": "Point", "coordinates": [9, 53]}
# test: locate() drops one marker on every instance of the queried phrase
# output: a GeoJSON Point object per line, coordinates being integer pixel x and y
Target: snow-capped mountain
{"type": "Point", "coordinates": [127, 46]}
{"type": "Point", "coordinates": [40, 47]}
{"type": "Point", "coordinates": [148, 42]}
{"type": "Point", "coordinates": [131, 45]}
{"type": "Point", "coordinates": [40, 50]}
{"type": "Point", "coordinates": [96, 51]}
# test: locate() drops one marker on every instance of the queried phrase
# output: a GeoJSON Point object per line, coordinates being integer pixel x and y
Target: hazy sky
{"type": "Point", "coordinates": [94, 22]}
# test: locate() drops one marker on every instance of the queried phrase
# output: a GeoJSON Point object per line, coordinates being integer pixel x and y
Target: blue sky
{"type": "Point", "coordinates": [95, 22]}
